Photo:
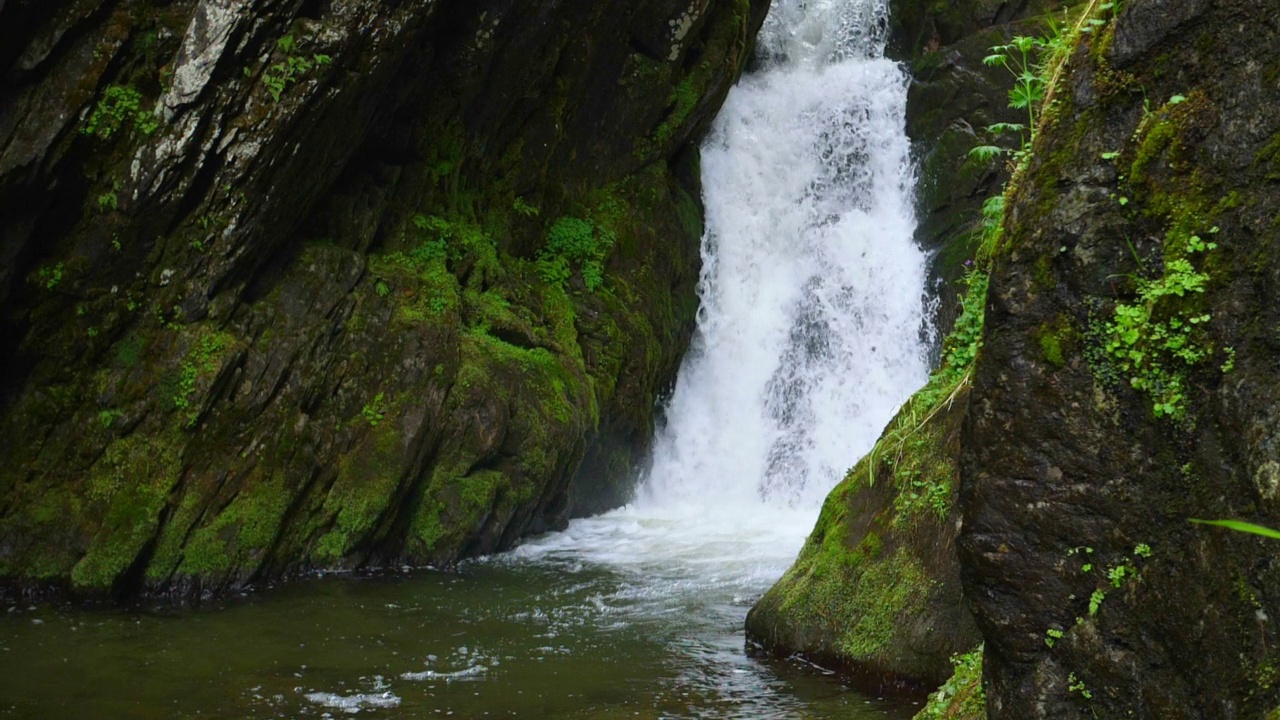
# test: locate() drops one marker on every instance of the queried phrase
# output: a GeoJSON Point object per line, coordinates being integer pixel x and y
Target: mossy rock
{"type": "Point", "coordinates": [876, 588]}
{"type": "Point", "coordinates": [961, 697]}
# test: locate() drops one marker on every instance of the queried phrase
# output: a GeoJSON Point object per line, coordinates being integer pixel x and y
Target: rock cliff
{"type": "Point", "coordinates": [296, 284]}
{"type": "Point", "coordinates": [1127, 381]}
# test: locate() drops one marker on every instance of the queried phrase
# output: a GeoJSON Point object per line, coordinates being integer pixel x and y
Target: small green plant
{"type": "Point", "coordinates": [524, 208]}
{"type": "Point", "coordinates": [202, 360]}
{"type": "Point", "coordinates": [1154, 340]}
{"type": "Point", "coordinates": [49, 277]}
{"type": "Point", "coordinates": [1230, 363]}
{"type": "Point", "coordinates": [961, 695]}
{"type": "Point", "coordinates": [108, 201]}
{"type": "Point", "coordinates": [961, 347]}
{"type": "Point", "coordinates": [1095, 601]}
{"type": "Point", "coordinates": [437, 231]}
{"type": "Point", "coordinates": [574, 243]}
{"type": "Point", "coordinates": [120, 106]}
{"type": "Point", "coordinates": [1119, 575]}
{"type": "Point", "coordinates": [1052, 636]}
{"type": "Point", "coordinates": [382, 288]}
{"type": "Point", "coordinates": [1075, 685]}
{"type": "Point", "coordinates": [279, 76]}
{"type": "Point", "coordinates": [1085, 550]}
{"type": "Point", "coordinates": [374, 410]}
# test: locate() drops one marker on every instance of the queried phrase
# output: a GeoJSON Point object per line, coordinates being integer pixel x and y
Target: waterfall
{"type": "Point", "coordinates": [809, 331]}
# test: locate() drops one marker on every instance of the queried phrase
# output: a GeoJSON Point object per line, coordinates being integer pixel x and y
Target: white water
{"type": "Point", "coordinates": [810, 329]}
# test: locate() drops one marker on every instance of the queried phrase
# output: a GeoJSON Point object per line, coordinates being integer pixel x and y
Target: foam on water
{"type": "Point", "coordinates": [810, 328]}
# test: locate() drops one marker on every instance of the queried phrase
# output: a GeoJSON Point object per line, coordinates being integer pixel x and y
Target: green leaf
{"type": "Point", "coordinates": [1001, 128]}
{"type": "Point", "coordinates": [1241, 526]}
{"type": "Point", "coordinates": [985, 153]}
{"type": "Point", "coordinates": [1177, 99]}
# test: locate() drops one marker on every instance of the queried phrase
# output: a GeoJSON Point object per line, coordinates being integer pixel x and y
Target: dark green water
{"type": "Point", "coordinates": [541, 639]}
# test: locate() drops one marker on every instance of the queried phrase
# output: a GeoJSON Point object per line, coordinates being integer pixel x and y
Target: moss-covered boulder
{"type": "Point", "coordinates": [876, 588]}
{"type": "Point", "coordinates": [327, 285]}
{"type": "Point", "coordinates": [1128, 382]}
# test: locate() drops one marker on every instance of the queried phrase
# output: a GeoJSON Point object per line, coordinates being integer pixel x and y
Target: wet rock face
{"type": "Point", "coordinates": [287, 285]}
{"type": "Point", "coordinates": [952, 100]}
{"type": "Point", "coordinates": [1127, 383]}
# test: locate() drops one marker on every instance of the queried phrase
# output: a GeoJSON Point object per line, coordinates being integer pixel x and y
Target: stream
{"type": "Point", "coordinates": [811, 332]}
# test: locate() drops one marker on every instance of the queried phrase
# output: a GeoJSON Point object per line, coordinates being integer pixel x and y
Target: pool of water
{"type": "Point", "coordinates": [546, 632]}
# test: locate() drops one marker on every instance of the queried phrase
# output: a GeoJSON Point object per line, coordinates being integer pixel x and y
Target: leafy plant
{"type": "Point", "coordinates": [574, 244]}
{"type": "Point", "coordinates": [961, 695]}
{"type": "Point", "coordinates": [524, 208]}
{"type": "Point", "coordinates": [120, 105]}
{"type": "Point", "coordinates": [279, 76]}
{"type": "Point", "coordinates": [1075, 684]}
{"type": "Point", "coordinates": [1095, 601]}
{"type": "Point", "coordinates": [108, 201]}
{"type": "Point", "coordinates": [202, 360]}
{"type": "Point", "coordinates": [1155, 339]}
{"type": "Point", "coordinates": [50, 276]}
{"type": "Point", "coordinates": [374, 410]}
{"type": "Point", "coordinates": [1052, 636]}
{"type": "Point", "coordinates": [1018, 57]}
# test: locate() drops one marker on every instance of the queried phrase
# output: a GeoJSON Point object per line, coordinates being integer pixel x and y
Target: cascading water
{"type": "Point", "coordinates": [809, 332]}
{"type": "Point", "coordinates": [808, 337]}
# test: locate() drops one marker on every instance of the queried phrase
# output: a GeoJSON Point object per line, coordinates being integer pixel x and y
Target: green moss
{"type": "Point", "coordinates": [961, 697]}
{"type": "Point", "coordinates": [209, 350]}
{"type": "Point", "coordinates": [241, 531]}
{"type": "Point", "coordinates": [1269, 159]}
{"type": "Point", "coordinates": [859, 596]}
{"type": "Point", "coordinates": [53, 518]}
{"type": "Point", "coordinates": [683, 99]}
{"type": "Point", "coordinates": [367, 480]}
{"type": "Point", "coordinates": [1054, 339]}
{"type": "Point", "coordinates": [454, 509]}
{"type": "Point", "coordinates": [132, 480]}
{"type": "Point", "coordinates": [1155, 141]}
{"type": "Point", "coordinates": [129, 351]}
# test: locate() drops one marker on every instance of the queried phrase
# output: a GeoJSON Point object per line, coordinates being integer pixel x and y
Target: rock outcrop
{"type": "Point", "coordinates": [295, 284]}
{"type": "Point", "coordinates": [1127, 382]}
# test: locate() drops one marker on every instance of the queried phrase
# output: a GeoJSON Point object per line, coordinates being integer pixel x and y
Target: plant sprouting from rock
{"type": "Point", "coordinates": [119, 107]}
{"type": "Point", "coordinates": [1156, 338]}
{"type": "Point", "coordinates": [575, 243]}
{"type": "Point", "coordinates": [281, 75]}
